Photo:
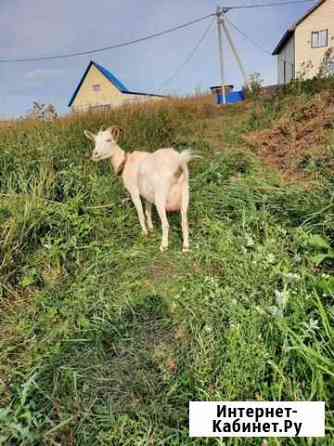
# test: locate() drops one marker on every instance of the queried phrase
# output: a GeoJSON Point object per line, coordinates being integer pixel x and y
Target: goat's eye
{"type": "Point", "coordinates": [109, 140]}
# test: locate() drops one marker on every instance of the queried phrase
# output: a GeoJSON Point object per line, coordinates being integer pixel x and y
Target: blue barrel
{"type": "Point", "coordinates": [232, 98]}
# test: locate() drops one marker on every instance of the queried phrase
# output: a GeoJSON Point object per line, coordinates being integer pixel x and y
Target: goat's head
{"type": "Point", "coordinates": [105, 142]}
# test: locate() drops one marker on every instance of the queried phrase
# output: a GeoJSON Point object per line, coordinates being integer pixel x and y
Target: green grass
{"type": "Point", "coordinates": [103, 339]}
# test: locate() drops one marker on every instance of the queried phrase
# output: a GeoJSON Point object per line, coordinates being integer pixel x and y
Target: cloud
{"type": "Point", "coordinates": [34, 82]}
{"type": "Point", "coordinates": [42, 28]}
{"type": "Point", "coordinates": [41, 75]}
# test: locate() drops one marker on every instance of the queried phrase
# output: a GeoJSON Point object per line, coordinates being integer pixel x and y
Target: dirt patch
{"type": "Point", "coordinates": [161, 269]}
{"type": "Point", "coordinates": [302, 132]}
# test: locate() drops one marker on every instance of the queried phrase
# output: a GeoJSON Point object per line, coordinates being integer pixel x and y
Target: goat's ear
{"type": "Point", "coordinates": [116, 132]}
{"type": "Point", "coordinates": [89, 135]}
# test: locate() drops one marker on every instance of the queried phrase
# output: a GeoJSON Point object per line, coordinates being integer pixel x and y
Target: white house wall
{"type": "Point", "coordinates": [286, 62]}
{"type": "Point", "coordinates": [321, 19]}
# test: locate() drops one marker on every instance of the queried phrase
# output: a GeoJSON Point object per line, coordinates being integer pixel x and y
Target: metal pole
{"type": "Point", "coordinates": [235, 52]}
{"type": "Point", "coordinates": [219, 14]}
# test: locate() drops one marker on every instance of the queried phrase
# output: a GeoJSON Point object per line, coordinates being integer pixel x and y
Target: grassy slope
{"type": "Point", "coordinates": [104, 340]}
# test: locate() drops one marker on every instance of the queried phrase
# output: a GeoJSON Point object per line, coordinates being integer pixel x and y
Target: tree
{"type": "Point", "coordinates": [326, 68]}
{"type": "Point", "coordinates": [42, 112]}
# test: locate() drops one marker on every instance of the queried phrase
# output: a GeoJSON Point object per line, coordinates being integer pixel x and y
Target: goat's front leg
{"type": "Point", "coordinates": [148, 212]}
{"type": "Point", "coordinates": [139, 207]}
{"type": "Point", "coordinates": [161, 208]}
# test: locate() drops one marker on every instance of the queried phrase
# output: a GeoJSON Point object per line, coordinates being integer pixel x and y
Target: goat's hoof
{"type": "Point", "coordinates": [186, 249]}
{"type": "Point", "coordinates": [163, 248]}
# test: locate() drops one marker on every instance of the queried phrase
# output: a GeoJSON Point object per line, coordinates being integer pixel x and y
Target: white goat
{"type": "Point", "coordinates": [161, 178]}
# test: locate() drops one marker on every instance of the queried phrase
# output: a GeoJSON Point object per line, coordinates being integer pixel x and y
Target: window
{"type": "Point", "coordinates": [319, 39]}
{"type": "Point", "coordinates": [97, 87]}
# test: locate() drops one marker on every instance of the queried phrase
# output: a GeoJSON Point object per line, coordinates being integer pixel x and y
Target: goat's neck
{"type": "Point", "coordinates": [118, 159]}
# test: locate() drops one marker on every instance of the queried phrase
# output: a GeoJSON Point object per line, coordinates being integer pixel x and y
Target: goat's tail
{"type": "Point", "coordinates": [188, 155]}
{"type": "Point", "coordinates": [185, 157]}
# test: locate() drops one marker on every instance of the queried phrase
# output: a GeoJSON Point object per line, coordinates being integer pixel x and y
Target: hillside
{"type": "Point", "coordinates": [103, 339]}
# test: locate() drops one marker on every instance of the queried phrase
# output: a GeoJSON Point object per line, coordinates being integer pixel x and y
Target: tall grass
{"type": "Point", "coordinates": [104, 340]}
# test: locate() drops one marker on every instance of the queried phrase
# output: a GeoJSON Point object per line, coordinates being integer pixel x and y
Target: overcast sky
{"type": "Point", "coordinates": [47, 27]}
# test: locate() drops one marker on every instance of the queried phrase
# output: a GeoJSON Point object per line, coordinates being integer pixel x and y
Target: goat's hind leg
{"type": "Point", "coordinates": [184, 216]}
{"type": "Point", "coordinates": [160, 203]}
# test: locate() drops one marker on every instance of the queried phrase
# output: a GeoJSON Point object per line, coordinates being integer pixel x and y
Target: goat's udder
{"type": "Point", "coordinates": [172, 208]}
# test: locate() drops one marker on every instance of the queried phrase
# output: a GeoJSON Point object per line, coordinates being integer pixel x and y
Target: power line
{"type": "Point", "coordinates": [260, 47]}
{"type": "Point", "coordinates": [110, 47]}
{"type": "Point", "coordinates": [150, 36]}
{"type": "Point", "coordinates": [267, 5]}
{"type": "Point", "coordinates": [188, 58]}
{"type": "Point", "coordinates": [253, 42]}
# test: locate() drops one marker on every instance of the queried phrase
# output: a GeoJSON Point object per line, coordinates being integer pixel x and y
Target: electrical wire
{"type": "Point", "coordinates": [188, 58]}
{"type": "Point", "coordinates": [148, 37]}
{"type": "Point", "coordinates": [253, 42]}
{"type": "Point", "coordinates": [267, 5]}
{"type": "Point", "coordinates": [110, 47]}
{"type": "Point", "coordinates": [257, 45]}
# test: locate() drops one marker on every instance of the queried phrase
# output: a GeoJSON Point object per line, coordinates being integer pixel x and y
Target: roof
{"type": "Point", "coordinates": [144, 94]}
{"type": "Point", "coordinates": [289, 33]}
{"type": "Point", "coordinates": [111, 77]}
{"type": "Point", "coordinates": [220, 86]}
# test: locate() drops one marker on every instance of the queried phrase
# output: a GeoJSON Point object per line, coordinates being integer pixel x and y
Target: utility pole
{"type": "Point", "coordinates": [220, 20]}
{"type": "Point", "coordinates": [222, 28]}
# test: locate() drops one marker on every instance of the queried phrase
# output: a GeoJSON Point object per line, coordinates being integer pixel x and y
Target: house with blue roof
{"type": "Point", "coordinates": [99, 88]}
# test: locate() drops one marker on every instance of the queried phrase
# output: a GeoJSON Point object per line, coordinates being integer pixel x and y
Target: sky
{"type": "Point", "coordinates": [47, 27]}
